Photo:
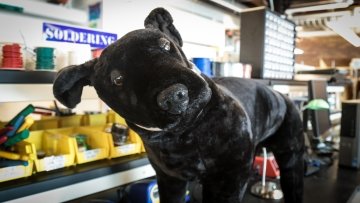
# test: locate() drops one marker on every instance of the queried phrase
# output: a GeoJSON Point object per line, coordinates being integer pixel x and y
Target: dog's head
{"type": "Point", "coordinates": [144, 76]}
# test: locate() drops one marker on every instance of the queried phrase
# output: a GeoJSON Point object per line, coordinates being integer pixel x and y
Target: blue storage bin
{"type": "Point", "coordinates": [146, 191]}
{"type": "Point", "coordinates": [204, 64]}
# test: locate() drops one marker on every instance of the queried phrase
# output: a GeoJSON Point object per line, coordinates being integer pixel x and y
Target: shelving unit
{"type": "Point", "coordinates": [61, 184]}
{"type": "Point", "coordinates": [269, 44]}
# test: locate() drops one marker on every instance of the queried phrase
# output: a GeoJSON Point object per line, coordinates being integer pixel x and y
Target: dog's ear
{"type": "Point", "coordinates": [161, 19]}
{"type": "Point", "coordinates": [69, 82]}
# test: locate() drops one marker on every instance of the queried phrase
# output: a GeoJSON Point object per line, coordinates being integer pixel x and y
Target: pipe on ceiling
{"type": "Point", "coordinates": [335, 5]}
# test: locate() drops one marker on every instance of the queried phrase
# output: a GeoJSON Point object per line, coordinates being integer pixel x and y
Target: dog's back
{"type": "Point", "coordinates": [266, 117]}
{"type": "Point", "coordinates": [276, 123]}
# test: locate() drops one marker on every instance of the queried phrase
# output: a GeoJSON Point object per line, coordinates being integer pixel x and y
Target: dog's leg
{"type": "Point", "coordinates": [171, 190]}
{"type": "Point", "coordinates": [228, 187]}
{"type": "Point", "coordinates": [287, 144]}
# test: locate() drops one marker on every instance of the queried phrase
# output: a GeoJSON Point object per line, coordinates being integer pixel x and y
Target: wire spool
{"type": "Point", "coordinates": [44, 58]}
{"type": "Point", "coordinates": [12, 56]}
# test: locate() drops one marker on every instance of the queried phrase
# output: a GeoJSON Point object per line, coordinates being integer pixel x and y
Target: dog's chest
{"type": "Point", "coordinates": [181, 155]}
{"type": "Point", "coordinates": [195, 154]}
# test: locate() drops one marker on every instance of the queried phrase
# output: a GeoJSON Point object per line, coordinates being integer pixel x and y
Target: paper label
{"type": "Point", "coordinates": [91, 154]}
{"type": "Point", "coordinates": [12, 172]}
{"type": "Point", "coordinates": [54, 162]}
{"type": "Point", "coordinates": [126, 148]}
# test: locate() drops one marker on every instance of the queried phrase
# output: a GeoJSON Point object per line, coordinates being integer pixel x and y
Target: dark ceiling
{"type": "Point", "coordinates": [281, 5]}
{"type": "Point", "coordinates": [331, 49]}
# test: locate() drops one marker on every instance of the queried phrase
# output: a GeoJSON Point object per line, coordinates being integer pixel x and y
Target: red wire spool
{"type": "Point", "coordinates": [12, 56]}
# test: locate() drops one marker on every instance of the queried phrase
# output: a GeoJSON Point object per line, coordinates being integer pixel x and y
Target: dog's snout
{"type": "Point", "coordinates": [174, 99]}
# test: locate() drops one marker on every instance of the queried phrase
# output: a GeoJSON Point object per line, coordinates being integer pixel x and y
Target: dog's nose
{"type": "Point", "coordinates": [174, 99]}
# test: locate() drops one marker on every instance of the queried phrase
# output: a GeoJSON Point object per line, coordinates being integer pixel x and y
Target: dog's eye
{"type": "Point", "coordinates": [118, 81]}
{"type": "Point", "coordinates": [164, 44]}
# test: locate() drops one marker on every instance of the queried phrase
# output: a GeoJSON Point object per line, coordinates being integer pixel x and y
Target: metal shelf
{"type": "Point", "coordinates": [77, 181]}
{"type": "Point", "coordinates": [21, 86]}
{"type": "Point", "coordinates": [53, 11]}
{"type": "Point", "coordinates": [271, 82]}
{"type": "Point", "coordinates": [26, 77]}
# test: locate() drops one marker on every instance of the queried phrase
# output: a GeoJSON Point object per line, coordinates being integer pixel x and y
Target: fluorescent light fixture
{"type": "Point", "coordinates": [298, 51]}
{"type": "Point", "coordinates": [235, 7]}
{"type": "Point", "coordinates": [344, 27]}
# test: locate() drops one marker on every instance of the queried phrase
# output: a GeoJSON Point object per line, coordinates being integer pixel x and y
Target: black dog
{"type": "Point", "coordinates": [193, 127]}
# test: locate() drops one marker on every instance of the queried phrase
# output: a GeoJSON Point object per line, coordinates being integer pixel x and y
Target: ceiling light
{"type": "Point", "coordinates": [233, 6]}
{"type": "Point", "coordinates": [298, 51]}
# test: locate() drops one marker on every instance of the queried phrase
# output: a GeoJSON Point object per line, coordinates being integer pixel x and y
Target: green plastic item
{"type": "Point", "coordinates": [82, 141]}
{"type": "Point", "coordinates": [317, 104]}
{"type": "Point", "coordinates": [25, 112]}
{"type": "Point", "coordinates": [17, 138]}
{"type": "Point", "coordinates": [11, 8]}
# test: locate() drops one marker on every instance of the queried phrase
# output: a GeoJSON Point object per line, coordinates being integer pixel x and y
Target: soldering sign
{"type": "Point", "coordinates": [61, 33]}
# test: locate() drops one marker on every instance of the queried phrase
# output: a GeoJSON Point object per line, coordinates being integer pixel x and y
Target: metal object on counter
{"type": "Point", "coordinates": [266, 189]}
{"type": "Point", "coordinates": [120, 134]}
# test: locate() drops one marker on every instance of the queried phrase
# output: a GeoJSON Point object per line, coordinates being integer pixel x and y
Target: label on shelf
{"type": "Point", "coordinates": [126, 148]}
{"type": "Point", "coordinates": [12, 172]}
{"type": "Point", "coordinates": [54, 162]}
{"type": "Point", "coordinates": [91, 154]}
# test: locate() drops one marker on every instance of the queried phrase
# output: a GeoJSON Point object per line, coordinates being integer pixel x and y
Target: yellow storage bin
{"type": "Point", "coordinates": [135, 143]}
{"type": "Point", "coordinates": [54, 149]}
{"type": "Point", "coordinates": [70, 121]}
{"type": "Point", "coordinates": [132, 146]}
{"type": "Point", "coordinates": [142, 146]}
{"type": "Point", "coordinates": [45, 123]}
{"type": "Point", "coordinates": [95, 119]}
{"type": "Point", "coordinates": [53, 122]}
{"type": "Point", "coordinates": [25, 151]}
{"type": "Point", "coordinates": [96, 140]}
{"type": "Point", "coordinates": [113, 117]}
{"type": "Point", "coordinates": [15, 172]}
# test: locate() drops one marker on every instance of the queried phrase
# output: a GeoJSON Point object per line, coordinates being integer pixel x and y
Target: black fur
{"type": "Point", "coordinates": [214, 140]}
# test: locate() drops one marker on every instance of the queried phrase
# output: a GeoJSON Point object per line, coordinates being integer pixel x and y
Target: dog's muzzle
{"type": "Point", "coordinates": [174, 99]}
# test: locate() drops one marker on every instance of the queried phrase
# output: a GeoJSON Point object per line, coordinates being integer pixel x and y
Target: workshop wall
{"type": "Point", "coordinates": [202, 27]}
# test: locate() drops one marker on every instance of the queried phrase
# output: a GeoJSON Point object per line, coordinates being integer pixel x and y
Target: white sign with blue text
{"type": "Point", "coordinates": [61, 33]}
